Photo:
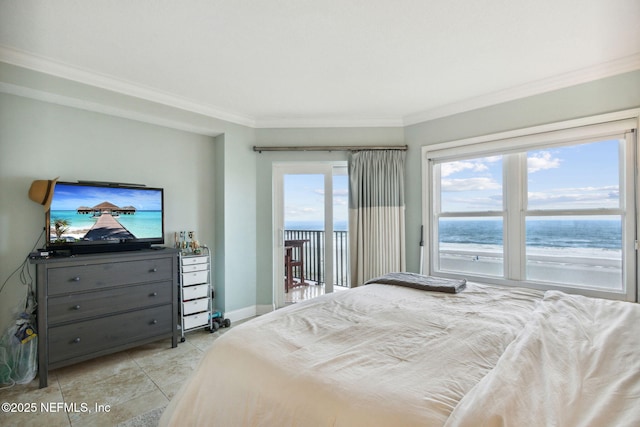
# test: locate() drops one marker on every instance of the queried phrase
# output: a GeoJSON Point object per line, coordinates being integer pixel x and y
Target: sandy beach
{"type": "Point", "coordinates": [598, 268]}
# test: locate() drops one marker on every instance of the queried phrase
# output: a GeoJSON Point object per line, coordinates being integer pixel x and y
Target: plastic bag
{"type": "Point", "coordinates": [5, 369]}
{"type": "Point", "coordinates": [19, 354]}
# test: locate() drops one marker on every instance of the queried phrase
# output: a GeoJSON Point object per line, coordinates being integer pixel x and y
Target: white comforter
{"type": "Point", "coordinates": [576, 363]}
{"type": "Point", "coordinates": [377, 355]}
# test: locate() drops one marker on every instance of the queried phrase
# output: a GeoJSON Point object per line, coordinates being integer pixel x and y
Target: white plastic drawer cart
{"type": "Point", "coordinates": [196, 292]}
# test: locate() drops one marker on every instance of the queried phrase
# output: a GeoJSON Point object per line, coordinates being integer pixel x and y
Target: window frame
{"type": "Point", "coordinates": [515, 209]}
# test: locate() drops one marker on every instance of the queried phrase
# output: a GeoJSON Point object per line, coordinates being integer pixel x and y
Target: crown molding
{"type": "Point", "coordinates": [95, 107]}
{"type": "Point", "coordinates": [65, 71]}
{"type": "Point", "coordinates": [562, 81]}
{"type": "Point", "coordinates": [58, 69]}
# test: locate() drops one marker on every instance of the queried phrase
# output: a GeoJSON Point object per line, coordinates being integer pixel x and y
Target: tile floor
{"type": "Point", "coordinates": [128, 383]}
{"type": "Point", "coordinates": [301, 293]}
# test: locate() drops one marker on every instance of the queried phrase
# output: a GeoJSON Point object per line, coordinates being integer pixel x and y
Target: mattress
{"type": "Point", "coordinates": [384, 355]}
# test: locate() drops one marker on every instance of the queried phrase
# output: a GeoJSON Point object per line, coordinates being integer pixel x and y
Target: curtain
{"type": "Point", "coordinates": [376, 214]}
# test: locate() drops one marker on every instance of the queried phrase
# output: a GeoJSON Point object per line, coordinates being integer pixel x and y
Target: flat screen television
{"type": "Point", "coordinates": [89, 217]}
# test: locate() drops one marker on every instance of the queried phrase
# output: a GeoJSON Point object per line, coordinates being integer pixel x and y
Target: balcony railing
{"type": "Point", "coordinates": [314, 255]}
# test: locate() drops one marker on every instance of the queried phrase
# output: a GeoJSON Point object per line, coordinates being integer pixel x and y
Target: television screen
{"type": "Point", "coordinates": [93, 213]}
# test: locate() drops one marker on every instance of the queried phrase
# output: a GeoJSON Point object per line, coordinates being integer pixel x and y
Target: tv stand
{"type": "Point", "coordinates": [98, 304]}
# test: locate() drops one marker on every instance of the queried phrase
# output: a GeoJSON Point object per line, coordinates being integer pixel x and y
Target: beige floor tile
{"type": "Point", "coordinates": [167, 358]}
{"type": "Point", "coordinates": [114, 414]}
{"type": "Point", "coordinates": [112, 389]}
{"type": "Point", "coordinates": [35, 419]}
{"type": "Point", "coordinates": [151, 348]}
{"type": "Point", "coordinates": [202, 339]}
{"type": "Point", "coordinates": [18, 392]}
{"type": "Point", "coordinates": [170, 390]}
{"type": "Point", "coordinates": [179, 372]}
{"type": "Point", "coordinates": [34, 406]}
{"type": "Point", "coordinates": [130, 382]}
{"type": "Point", "coordinates": [95, 369]}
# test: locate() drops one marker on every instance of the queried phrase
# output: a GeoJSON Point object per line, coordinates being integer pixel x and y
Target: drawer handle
{"type": "Point", "coordinates": [154, 322]}
{"type": "Point", "coordinates": [153, 294]}
{"type": "Point", "coordinates": [77, 340]}
{"type": "Point", "coordinates": [76, 279]}
{"type": "Point", "coordinates": [153, 270]}
{"type": "Point", "coordinates": [76, 307]}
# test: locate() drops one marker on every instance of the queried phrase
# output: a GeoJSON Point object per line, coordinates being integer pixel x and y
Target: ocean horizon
{"type": "Point", "coordinates": [540, 233]}
{"type": "Point", "coordinates": [547, 233]}
{"type": "Point", "coordinates": [315, 225]}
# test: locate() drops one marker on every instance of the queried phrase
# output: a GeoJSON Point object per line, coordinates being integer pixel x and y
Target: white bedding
{"type": "Point", "coordinates": [377, 355]}
{"type": "Point", "coordinates": [576, 363]}
{"type": "Point", "coordinates": [383, 355]}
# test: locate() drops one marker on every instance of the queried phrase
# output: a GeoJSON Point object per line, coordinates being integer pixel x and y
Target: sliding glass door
{"type": "Point", "coordinates": [310, 209]}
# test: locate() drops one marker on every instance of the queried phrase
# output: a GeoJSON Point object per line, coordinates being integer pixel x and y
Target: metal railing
{"type": "Point", "coordinates": [314, 255]}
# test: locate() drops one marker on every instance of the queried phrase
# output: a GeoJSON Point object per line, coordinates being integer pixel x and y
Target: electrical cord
{"type": "Point", "coordinates": [25, 275]}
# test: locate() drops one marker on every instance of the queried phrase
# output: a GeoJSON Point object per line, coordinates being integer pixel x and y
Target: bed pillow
{"type": "Point", "coordinates": [419, 281]}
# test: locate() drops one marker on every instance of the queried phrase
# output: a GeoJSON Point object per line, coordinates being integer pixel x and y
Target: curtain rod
{"type": "Point", "coordinates": [332, 148]}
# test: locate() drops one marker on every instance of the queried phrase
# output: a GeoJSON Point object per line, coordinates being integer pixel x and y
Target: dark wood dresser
{"type": "Point", "coordinates": [93, 305]}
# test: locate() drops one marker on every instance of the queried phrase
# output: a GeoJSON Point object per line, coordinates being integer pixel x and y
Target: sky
{"type": "Point", "coordinates": [581, 176]}
{"type": "Point", "coordinates": [304, 198]}
{"type": "Point", "coordinates": [71, 197]}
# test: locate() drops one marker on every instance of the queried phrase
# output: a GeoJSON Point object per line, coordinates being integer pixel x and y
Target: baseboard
{"type": "Point", "coordinates": [264, 309]}
{"type": "Point", "coordinates": [241, 314]}
{"type": "Point", "coordinates": [248, 312]}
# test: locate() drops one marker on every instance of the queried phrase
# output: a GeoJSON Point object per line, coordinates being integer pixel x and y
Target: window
{"type": "Point", "coordinates": [574, 217]}
{"type": "Point", "coordinates": [470, 216]}
{"type": "Point", "coordinates": [545, 210]}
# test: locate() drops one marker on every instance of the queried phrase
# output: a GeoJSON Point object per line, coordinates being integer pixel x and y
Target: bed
{"type": "Point", "coordinates": [388, 355]}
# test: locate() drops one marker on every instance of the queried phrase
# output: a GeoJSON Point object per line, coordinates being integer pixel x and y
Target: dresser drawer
{"type": "Point", "coordinates": [194, 278]}
{"type": "Point", "coordinates": [73, 307]}
{"type": "Point", "coordinates": [193, 292]}
{"type": "Point", "coordinates": [196, 320]}
{"type": "Point", "coordinates": [91, 336]}
{"type": "Point", "coordinates": [88, 277]}
{"type": "Point", "coordinates": [194, 260]}
{"type": "Point", "coordinates": [194, 267]}
{"type": "Point", "coordinates": [195, 306]}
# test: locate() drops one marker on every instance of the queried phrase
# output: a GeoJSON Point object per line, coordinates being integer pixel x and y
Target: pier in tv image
{"type": "Point", "coordinates": [99, 213]}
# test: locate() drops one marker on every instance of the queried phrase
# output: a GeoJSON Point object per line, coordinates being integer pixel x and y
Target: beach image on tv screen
{"type": "Point", "coordinates": [89, 213]}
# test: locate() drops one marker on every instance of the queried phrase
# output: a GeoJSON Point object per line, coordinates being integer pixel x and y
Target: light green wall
{"type": "Point", "coordinates": [601, 96]}
{"type": "Point", "coordinates": [193, 157]}
{"type": "Point", "coordinates": [40, 140]}
{"type": "Point", "coordinates": [239, 229]}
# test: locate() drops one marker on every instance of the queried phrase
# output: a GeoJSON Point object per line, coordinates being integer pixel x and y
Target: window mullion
{"type": "Point", "coordinates": [434, 252]}
{"type": "Point", "coordinates": [515, 168]}
{"type": "Point", "coordinates": [629, 188]}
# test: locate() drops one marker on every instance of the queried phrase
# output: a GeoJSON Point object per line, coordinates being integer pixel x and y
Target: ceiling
{"type": "Point", "coordinates": [300, 63]}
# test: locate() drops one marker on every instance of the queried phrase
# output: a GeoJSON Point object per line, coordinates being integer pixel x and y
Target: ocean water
{"type": "Point", "coordinates": [314, 225]}
{"type": "Point", "coordinates": [555, 233]}
{"type": "Point", "coordinates": [142, 224]}
{"type": "Point", "coordinates": [560, 233]}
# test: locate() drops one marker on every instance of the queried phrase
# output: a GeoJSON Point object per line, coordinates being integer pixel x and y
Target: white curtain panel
{"type": "Point", "coordinates": [376, 214]}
